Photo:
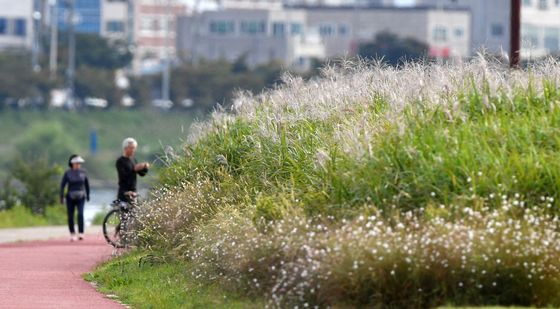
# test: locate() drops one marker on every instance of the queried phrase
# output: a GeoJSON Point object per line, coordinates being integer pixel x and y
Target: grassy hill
{"type": "Point", "coordinates": [153, 129]}
{"type": "Point", "coordinates": [416, 187]}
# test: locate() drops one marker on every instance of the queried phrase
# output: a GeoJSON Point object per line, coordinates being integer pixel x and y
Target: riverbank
{"type": "Point", "coordinates": [154, 130]}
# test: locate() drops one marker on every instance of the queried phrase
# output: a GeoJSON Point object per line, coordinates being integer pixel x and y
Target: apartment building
{"type": "Point", "coordinates": [16, 24]}
{"type": "Point", "coordinates": [155, 24]}
{"type": "Point", "coordinates": [260, 35]}
{"type": "Point", "coordinates": [342, 29]}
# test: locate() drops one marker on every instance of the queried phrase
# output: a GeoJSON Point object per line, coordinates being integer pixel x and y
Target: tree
{"type": "Point", "coordinates": [95, 51]}
{"type": "Point", "coordinates": [17, 79]}
{"type": "Point", "coordinates": [40, 182]}
{"type": "Point", "coordinates": [8, 195]}
{"type": "Point", "coordinates": [214, 82]}
{"type": "Point", "coordinates": [96, 82]}
{"type": "Point", "coordinates": [392, 49]}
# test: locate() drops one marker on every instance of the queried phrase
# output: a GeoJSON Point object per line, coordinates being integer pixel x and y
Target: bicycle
{"type": "Point", "coordinates": [117, 222]}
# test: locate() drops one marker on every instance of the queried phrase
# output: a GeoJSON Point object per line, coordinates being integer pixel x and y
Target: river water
{"type": "Point", "coordinates": [100, 199]}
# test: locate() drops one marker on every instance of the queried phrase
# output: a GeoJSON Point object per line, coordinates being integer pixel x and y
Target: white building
{"type": "Point", "coordinates": [343, 29]}
{"type": "Point", "coordinates": [114, 19]}
{"type": "Point", "coordinates": [262, 36]}
{"type": "Point", "coordinates": [155, 25]}
{"type": "Point", "coordinates": [491, 24]}
{"type": "Point", "coordinates": [540, 28]}
{"type": "Point", "coordinates": [340, 2]}
{"type": "Point", "coordinates": [16, 24]}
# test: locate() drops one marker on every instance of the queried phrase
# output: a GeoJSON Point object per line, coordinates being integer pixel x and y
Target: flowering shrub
{"type": "Point", "coordinates": [506, 256]}
{"type": "Point", "coordinates": [374, 186]}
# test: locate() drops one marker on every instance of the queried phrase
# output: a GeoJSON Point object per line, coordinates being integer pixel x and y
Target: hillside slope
{"type": "Point", "coordinates": [374, 186]}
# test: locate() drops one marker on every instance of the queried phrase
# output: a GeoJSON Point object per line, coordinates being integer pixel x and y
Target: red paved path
{"type": "Point", "coordinates": [48, 274]}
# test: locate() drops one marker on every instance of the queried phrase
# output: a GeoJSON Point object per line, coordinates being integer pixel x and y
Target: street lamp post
{"type": "Point", "coordinates": [515, 32]}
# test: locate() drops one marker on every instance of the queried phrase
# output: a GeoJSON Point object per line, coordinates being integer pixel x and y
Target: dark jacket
{"type": "Point", "coordinates": [78, 184]}
{"type": "Point", "coordinates": [127, 175]}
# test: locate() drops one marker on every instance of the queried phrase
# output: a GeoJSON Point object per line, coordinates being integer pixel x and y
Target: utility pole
{"type": "Point", "coordinates": [515, 32]}
{"type": "Point", "coordinates": [36, 36]}
{"type": "Point", "coordinates": [166, 78]}
{"type": "Point", "coordinates": [71, 52]}
{"type": "Point", "coordinates": [53, 65]}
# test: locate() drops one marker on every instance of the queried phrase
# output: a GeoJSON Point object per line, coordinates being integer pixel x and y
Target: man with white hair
{"type": "Point", "coordinates": [128, 168]}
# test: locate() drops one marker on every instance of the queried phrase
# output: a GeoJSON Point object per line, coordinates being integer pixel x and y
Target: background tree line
{"type": "Point", "coordinates": [205, 83]}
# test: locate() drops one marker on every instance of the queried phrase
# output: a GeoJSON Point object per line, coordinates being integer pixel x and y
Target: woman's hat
{"type": "Point", "coordinates": [77, 159]}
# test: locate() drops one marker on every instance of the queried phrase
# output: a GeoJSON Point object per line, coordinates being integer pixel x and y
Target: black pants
{"type": "Point", "coordinates": [70, 206]}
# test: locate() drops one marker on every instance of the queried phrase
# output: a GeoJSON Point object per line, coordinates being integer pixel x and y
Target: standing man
{"type": "Point", "coordinates": [127, 169]}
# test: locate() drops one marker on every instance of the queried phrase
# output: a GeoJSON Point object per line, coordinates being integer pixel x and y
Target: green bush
{"type": "Point", "coordinates": [40, 181]}
{"type": "Point", "coordinates": [8, 195]}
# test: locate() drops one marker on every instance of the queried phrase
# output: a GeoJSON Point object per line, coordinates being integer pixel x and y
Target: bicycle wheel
{"type": "Point", "coordinates": [112, 228]}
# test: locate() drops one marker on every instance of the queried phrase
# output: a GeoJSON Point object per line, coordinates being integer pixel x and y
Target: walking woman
{"type": "Point", "coordinates": [78, 192]}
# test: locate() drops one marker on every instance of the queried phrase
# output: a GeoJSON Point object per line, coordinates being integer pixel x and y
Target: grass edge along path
{"type": "Point", "coordinates": [20, 216]}
{"type": "Point", "coordinates": [144, 280]}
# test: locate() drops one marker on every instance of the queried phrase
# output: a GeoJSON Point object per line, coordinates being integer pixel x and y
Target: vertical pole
{"type": "Point", "coordinates": [515, 38]}
{"type": "Point", "coordinates": [36, 36]}
{"type": "Point", "coordinates": [71, 52]}
{"type": "Point", "coordinates": [54, 39]}
{"type": "Point", "coordinates": [166, 69]}
{"type": "Point", "coordinates": [130, 29]}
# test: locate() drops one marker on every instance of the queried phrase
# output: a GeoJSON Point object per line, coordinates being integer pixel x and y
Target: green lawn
{"type": "Point", "coordinates": [144, 281]}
